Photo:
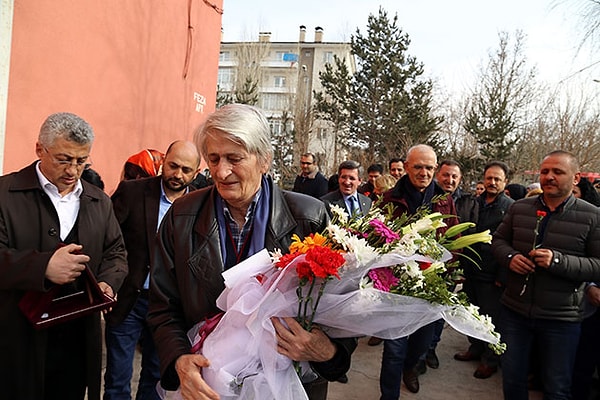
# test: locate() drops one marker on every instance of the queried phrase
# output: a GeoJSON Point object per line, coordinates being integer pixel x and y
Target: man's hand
{"type": "Point", "coordinates": [192, 386]}
{"type": "Point", "coordinates": [66, 264]}
{"type": "Point", "coordinates": [300, 345]}
{"type": "Point", "coordinates": [542, 257]}
{"type": "Point", "coordinates": [593, 295]}
{"type": "Point", "coordinates": [521, 264]}
{"type": "Point", "coordinates": [107, 290]}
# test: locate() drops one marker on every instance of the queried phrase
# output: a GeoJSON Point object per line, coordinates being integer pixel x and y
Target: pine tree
{"type": "Point", "coordinates": [386, 107]}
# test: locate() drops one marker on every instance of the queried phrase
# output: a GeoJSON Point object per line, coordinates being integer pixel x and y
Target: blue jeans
{"type": "Point", "coordinates": [399, 355]}
{"type": "Point", "coordinates": [121, 342]}
{"type": "Point", "coordinates": [557, 341]}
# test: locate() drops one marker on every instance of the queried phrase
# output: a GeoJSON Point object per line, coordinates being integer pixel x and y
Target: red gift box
{"type": "Point", "coordinates": [45, 309]}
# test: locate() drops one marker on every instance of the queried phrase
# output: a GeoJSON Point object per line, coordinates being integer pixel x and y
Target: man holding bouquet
{"type": "Point", "coordinates": [215, 228]}
{"type": "Point", "coordinates": [413, 191]}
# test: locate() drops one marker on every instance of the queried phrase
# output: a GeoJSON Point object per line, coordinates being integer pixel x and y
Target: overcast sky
{"type": "Point", "coordinates": [452, 38]}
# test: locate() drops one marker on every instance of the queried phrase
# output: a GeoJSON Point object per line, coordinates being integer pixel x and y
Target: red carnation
{"type": "Point", "coordinates": [285, 259]}
{"type": "Point", "coordinates": [324, 262]}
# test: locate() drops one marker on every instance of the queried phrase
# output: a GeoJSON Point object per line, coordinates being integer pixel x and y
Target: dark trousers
{"type": "Point", "coordinates": [558, 344]}
{"type": "Point", "coordinates": [401, 355]}
{"type": "Point", "coordinates": [587, 360]}
{"type": "Point", "coordinates": [317, 389]}
{"type": "Point", "coordinates": [66, 371]}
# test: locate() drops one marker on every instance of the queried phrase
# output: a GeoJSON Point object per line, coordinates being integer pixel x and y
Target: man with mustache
{"type": "Point", "coordinates": [484, 279]}
{"type": "Point", "coordinates": [139, 206]}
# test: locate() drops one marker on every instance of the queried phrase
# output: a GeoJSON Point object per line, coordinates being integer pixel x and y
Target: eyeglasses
{"type": "Point", "coordinates": [81, 163]}
{"type": "Point", "coordinates": [305, 163]}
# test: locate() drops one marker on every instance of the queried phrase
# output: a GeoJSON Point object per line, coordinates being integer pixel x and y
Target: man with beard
{"type": "Point", "coordinates": [550, 246]}
{"type": "Point", "coordinates": [310, 181]}
{"type": "Point", "coordinates": [140, 206]}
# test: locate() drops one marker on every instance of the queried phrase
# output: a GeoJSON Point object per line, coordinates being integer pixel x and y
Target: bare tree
{"type": "Point", "coordinates": [248, 74]}
{"type": "Point", "coordinates": [589, 11]}
{"type": "Point", "coordinates": [499, 107]}
{"type": "Point", "coordinates": [303, 113]}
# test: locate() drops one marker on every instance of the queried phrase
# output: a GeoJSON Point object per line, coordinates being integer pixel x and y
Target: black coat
{"type": "Point", "coordinates": [136, 203]}
{"type": "Point", "coordinates": [29, 229]}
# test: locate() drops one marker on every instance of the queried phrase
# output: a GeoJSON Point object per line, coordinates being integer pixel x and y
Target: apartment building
{"type": "Point", "coordinates": [287, 74]}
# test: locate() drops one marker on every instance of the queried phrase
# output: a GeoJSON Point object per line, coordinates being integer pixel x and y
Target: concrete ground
{"type": "Point", "coordinates": [452, 380]}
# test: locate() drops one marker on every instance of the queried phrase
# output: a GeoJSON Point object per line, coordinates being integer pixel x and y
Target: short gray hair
{"type": "Point", "coordinates": [67, 126]}
{"type": "Point", "coordinates": [242, 124]}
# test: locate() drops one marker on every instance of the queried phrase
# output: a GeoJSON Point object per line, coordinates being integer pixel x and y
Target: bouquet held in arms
{"type": "Point", "coordinates": [365, 275]}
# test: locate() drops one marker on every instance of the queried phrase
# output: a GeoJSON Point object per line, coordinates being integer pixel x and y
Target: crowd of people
{"type": "Point", "coordinates": [160, 242]}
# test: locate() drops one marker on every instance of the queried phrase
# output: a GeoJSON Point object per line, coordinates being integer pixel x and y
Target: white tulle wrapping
{"type": "Point", "coordinates": [242, 348]}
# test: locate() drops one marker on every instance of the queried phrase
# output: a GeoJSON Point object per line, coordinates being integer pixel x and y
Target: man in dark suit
{"type": "Point", "coordinates": [139, 206]}
{"type": "Point", "coordinates": [347, 195]}
{"type": "Point", "coordinates": [52, 225]}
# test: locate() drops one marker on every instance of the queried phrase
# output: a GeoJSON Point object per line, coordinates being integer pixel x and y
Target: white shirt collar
{"type": "Point", "coordinates": [51, 189]}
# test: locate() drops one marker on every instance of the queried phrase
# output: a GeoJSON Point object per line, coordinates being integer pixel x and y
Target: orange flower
{"type": "Point", "coordinates": [302, 246]}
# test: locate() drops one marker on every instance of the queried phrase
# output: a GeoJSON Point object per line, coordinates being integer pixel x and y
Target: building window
{"type": "Point", "coordinates": [274, 101]}
{"type": "Point", "coordinates": [280, 81]}
{"type": "Point", "coordinates": [224, 56]}
{"type": "Point", "coordinates": [279, 55]}
{"type": "Point", "coordinates": [225, 77]}
{"type": "Point", "coordinates": [276, 127]}
{"type": "Point", "coordinates": [328, 57]}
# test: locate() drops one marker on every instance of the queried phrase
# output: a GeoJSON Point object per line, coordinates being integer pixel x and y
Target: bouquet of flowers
{"type": "Point", "coordinates": [372, 275]}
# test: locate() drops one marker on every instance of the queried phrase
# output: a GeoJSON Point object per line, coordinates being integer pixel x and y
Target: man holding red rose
{"type": "Point", "coordinates": [549, 260]}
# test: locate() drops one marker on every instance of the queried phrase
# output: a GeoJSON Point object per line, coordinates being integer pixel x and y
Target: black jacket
{"type": "Point", "coordinates": [573, 234]}
{"type": "Point", "coordinates": [489, 217]}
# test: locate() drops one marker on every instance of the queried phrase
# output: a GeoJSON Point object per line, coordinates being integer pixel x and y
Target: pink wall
{"type": "Point", "coordinates": [118, 64]}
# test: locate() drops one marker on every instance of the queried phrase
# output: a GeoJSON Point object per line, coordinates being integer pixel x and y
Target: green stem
{"type": "Point", "coordinates": [307, 301]}
{"type": "Point", "coordinates": [300, 300]}
{"type": "Point", "coordinates": [321, 291]}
